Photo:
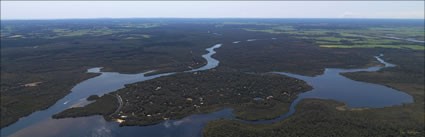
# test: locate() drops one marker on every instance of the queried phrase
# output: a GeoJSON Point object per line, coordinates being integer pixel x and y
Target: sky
{"type": "Point", "coordinates": [211, 9]}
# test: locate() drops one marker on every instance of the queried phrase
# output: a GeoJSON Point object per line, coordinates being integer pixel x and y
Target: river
{"type": "Point", "coordinates": [330, 85]}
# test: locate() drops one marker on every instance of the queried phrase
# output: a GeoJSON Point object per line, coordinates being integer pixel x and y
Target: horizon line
{"type": "Point", "coordinates": [23, 19]}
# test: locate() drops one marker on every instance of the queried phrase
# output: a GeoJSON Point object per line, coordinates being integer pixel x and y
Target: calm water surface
{"type": "Point", "coordinates": [37, 123]}
{"type": "Point", "coordinates": [330, 85]}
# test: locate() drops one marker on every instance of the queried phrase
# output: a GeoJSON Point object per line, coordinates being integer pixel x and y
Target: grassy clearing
{"type": "Point", "coordinates": [363, 33]}
{"type": "Point", "coordinates": [143, 36]}
{"type": "Point", "coordinates": [285, 28]}
{"type": "Point", "coordinates": [377, 41]}
{"type": "Point", "coordinates": [16, 36]}
{"type": "Point", "coordinates": [13, 32]}
{"type": "Point", "coordinates": [401, 31]}
{"type": "Point", "coordinates": [413, 47]}
{"type": "Point", "coordinates": [334, 39]}
{"type": "Point", "coordinates": [246, 23]}
{"type": "Point", "coordinates": [92, 32]}
{"type": "Point", "coordinates": [352, 35]}
{"type": "Point", "coordinates": [143, 25]}
{"type": "Point", "coordinates": [327, 42]}
{"type": "Point", "coordinates": [243, 23]}
{"type": "Point", "coordinates": [146, 36]}
{"type": "Point", "coordinates": [289, 30]}
{"type": "Point", "coordinates": [327, 39]}
{"type": "Point", "coordinates": [264, 30]}
{"type": "Point", "coordinates": [60, 32]}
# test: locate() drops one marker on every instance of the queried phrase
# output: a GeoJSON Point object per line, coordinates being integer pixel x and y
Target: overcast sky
{"type": "Point", "coordinates": [211, 9]}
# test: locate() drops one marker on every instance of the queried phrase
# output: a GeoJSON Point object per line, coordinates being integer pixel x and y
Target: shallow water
{"type": "Point", "coordinates": [330, 85]}
{"type": "Point", "coordinates": [104, 83]}
{"type": "Point", "coordinates": [356, 94]}
{"type": "Point", "coordinates": [96, 126]}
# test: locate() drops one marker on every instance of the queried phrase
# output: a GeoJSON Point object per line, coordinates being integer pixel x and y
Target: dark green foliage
{"type": "Point", "coordinates": [290, 55]}
{"type": "Point", "coordinates": [92, 97]}
{"type": "Point", "coordinates": [105, 105]}
{"type": "Point", "coordinates": [319, 118]}
{"type": "Point", "coordinates": [18, 100]}
{"type": "Point", "coordinates": [59, 61]}
{"type": "Point", "coordinates": [180, 95]}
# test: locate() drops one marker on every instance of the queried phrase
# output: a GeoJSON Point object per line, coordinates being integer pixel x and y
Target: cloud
{"type": "Point", "coordinates": [350, 15]}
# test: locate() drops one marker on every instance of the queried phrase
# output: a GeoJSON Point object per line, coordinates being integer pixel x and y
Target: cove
{"type": "Point", "coordinates": [332, 85]}
{"type": "Point", "coordinates": [104, 83]}
{"type": "Point", "coordinates": [329, 85]}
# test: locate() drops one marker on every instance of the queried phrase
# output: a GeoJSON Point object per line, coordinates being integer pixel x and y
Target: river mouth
{"type": "Point", "coordinates": [330, 85]}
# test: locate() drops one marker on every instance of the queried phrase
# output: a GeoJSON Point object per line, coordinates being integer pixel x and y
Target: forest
{"type": "Point", "coordinates": [42, 60]}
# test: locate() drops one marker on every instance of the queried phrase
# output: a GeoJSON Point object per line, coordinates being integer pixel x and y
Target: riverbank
{"type": "Point", "coordinates": [314, 117]}
{"type": "Point", "coordinates": [320, 118]}
{"type": "Point", "coordinates": [16, 102]}
{"type": "Point", "coordinates": [180, 95]}
{"type": "Point", "coordinates": [105, 105]}
{"type": "Point", "coordinates": [241, 91]}
{"type": "Point", "coordinates": [61, 63]}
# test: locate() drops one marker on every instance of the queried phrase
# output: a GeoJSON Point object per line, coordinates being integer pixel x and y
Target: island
{"type": "Point", "coordinates": [253, 96]}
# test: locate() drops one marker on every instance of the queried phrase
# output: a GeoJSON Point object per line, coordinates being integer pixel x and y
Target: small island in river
{"type": "Point", "coordinates": [183, 94]}
{"type": "Point", "coordinates": [104, 105]}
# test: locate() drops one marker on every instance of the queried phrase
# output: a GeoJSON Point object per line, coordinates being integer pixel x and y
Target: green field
{"type": "Point", "coordinates": [351, 38]}
{"type": "Point", "coordinates": [413, 47]}
{"type": "Point", "coordinates": [14, 32]}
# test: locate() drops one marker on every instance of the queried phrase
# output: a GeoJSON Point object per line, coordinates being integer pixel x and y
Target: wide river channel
{"type": "Point", "coordinates": [329, 85]}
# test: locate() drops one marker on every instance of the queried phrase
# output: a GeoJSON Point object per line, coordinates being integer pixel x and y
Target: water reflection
{"type": "Point", "coordinates": [104, 83]}
{"type": "Point", "coordinates": [330, 85]}
{"type": "Point", "coordinates": [96, 126]}
{"type": "Point", "coordinates": [211, 62]}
